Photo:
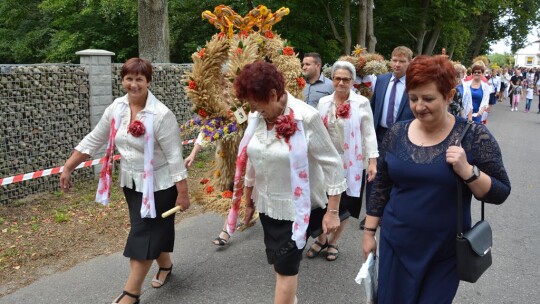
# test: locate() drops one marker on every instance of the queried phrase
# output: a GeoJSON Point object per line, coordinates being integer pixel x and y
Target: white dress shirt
{"type": "Point", "coordinates": [400, 89]}
{"type": "Point", "coordinates": [168, 162]}
{"type": "Point", "coordinates": [268, 168]}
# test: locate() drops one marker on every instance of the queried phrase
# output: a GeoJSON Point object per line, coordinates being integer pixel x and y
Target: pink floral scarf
{"type": "Point", "coordinates": [299, 172]}
{"type": "Point", "coordinates": [352, 143]}
{"type": "Point", "coordinates": [103, 193]}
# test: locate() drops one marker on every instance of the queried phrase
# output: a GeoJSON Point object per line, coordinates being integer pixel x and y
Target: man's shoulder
{"type": "Point", "coordinates": [325, 80]}
{"type": "Point", "coordinates": [382, 78]}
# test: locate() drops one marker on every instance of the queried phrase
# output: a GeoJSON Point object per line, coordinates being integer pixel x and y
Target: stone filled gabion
{"type": "Point", "coordinates": [44, 114]}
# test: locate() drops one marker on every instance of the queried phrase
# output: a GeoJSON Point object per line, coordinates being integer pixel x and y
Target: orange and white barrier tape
{"type": "Point", "coordinates": [41, 173]}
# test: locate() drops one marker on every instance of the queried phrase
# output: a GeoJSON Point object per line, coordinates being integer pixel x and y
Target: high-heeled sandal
{"type": "Point", "coordinates": [125, 293]}
{"type": "Point", "coordinates": [157, 280]}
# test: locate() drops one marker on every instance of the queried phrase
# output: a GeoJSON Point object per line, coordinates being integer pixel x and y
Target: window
{"type": "Point", "coordinates": [529, 60]}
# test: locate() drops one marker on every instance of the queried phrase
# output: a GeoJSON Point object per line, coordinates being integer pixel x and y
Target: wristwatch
{"type": "Point", "coordinates": [475, 175]}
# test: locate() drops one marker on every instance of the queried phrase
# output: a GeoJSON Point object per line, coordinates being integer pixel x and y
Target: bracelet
{"type": "Point", "coordinates": [333, 211]}
{"type": "Point", "coordinates": [370, 229]}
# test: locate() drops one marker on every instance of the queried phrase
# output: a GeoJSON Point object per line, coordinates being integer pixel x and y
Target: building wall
{"type": "Point", "coordinates": [528, 56]}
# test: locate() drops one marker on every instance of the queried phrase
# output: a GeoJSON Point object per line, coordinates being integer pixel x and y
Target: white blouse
{"type": "Point", "coordinates": [336, 126]}
{"type": "Point", "coordinates": [268, 168]}
{"type": "Point", "coordinates": [168, 162]}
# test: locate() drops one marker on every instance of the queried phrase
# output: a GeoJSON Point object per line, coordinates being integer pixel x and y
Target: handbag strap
{"type": "Point", "coordinates": [460, 190]}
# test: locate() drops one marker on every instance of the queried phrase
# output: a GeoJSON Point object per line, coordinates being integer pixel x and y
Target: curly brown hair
{"type": "Point", "coordinates": [256, 80]}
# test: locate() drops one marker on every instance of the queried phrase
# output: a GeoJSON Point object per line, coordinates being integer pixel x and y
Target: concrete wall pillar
{"type": "Point", "coordinates": [100, 79]}
{"type": "Point", "coordinates": [99, 73]}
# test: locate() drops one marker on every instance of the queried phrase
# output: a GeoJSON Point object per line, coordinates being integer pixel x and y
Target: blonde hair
{"type": "Point", "coordinates": [404, 51]}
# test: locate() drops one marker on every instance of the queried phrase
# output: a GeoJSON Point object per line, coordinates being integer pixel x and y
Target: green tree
{"type": "Point", "coordinates": [501, 60]}
{"type": "Point", "coordinates": [24, 31]}
{"type": "Point", "coordinates": [91, 24]}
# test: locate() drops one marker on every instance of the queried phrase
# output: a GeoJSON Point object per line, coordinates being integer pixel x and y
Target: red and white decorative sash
{"type": "Point", "coordinates": [103, 193]}
{"type": "Point", "coordinates": [352, 146]}
{"type": "Point", "coordinates": [298, 159]}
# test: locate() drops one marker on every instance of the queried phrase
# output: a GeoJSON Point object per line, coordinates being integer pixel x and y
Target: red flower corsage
{"type": "Point", "coordinates": [286, 126]}
{"type": "Point", "coordinates": [136, 128]}
{"type": "Point", "coordinates": [343, 110]}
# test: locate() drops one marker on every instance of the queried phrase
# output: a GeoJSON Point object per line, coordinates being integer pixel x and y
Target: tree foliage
{"type": "Point", "coordinates": [53, 30]}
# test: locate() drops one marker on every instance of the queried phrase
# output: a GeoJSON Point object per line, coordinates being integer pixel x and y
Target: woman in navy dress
{"type": "Point", "coordinates": [415, 189]}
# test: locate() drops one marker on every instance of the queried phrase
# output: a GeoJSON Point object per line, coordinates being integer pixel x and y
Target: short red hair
{"type": "Point", "coordinates": [256, 80]}
{"type": "Point", "coordinates": [425, 69]}
{"type": "Point", "coordinates": [137, 66]}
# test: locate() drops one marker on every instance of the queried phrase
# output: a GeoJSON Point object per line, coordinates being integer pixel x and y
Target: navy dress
{"type": "Point", "coordinates": [415, 193]}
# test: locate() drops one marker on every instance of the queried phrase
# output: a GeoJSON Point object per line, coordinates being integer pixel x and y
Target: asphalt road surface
{"type": "Point", "coordinates": [239, 273]}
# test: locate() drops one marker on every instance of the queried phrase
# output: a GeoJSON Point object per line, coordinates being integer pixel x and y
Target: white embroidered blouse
{"type": "Point", "coordinates": [268, 165]}
{"type": "Point", "coordinates": [335, 126]}
{"type": "Point", "coordinates": [168, 162]}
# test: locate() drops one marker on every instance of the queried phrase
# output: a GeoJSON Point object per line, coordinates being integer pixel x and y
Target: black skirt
{"type": "Point", "coordinates": [149, 237]}
{"type": "Point", "coordinates": [353, 204]}
{"type": "Point", "coordinates": [348, 206]}
{"type": "Point", "coordinates": [281, 250]}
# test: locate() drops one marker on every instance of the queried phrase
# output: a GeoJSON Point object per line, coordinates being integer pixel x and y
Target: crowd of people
{"type": "Point", "coordinates": [304, 166]}
{"type": "Point", "coordinates": [499, 84]}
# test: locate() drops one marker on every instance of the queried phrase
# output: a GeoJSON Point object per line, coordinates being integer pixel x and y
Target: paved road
{"type": "Point", "coordinates": [239, 274]}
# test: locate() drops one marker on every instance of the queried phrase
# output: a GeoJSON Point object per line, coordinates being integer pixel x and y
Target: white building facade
{"type": "Point", "coordinates": [528, 56]}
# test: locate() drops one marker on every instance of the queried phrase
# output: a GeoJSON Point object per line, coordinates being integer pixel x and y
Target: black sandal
{"type": "Point", "coordinates": [157, 280]}
{"type": "Point", "coordinates": [332, 254]}
{"type": "Point", "coordinates": [125, 293]}
{"type": "Point", "coordinates": [312, 253]}
{"type": "Point", "coordinates": [221, 241]}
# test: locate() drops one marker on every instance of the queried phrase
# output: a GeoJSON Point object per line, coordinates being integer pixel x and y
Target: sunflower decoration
{"type": "Point", "coordinates": [241, 40]}
{"type": "Point", "coordinates": [368, 66]}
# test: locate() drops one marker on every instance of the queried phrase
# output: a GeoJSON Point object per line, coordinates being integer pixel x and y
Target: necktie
{"type": "Point", "coordinates": [391, 104]}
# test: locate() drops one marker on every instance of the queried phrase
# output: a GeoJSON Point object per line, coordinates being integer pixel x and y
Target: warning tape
{"type": "Point", "coordinates": [46, 172]}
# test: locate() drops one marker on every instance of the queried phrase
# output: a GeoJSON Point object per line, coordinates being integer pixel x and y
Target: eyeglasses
{"type": "Point", "coordinates": [344, 79]}
{"type": "Point", "coordinates": [477, 72]}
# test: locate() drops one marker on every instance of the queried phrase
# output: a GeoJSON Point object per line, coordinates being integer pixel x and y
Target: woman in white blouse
{"type": "Point", "coordinates": [349, 120]}
{"type": "Point", "coordinates": [152, 173]}
{"type": "Point", "coordinates": [290, 166]}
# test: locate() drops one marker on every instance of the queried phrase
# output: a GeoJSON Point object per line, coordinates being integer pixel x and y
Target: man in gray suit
{"type": "Point", "coordinates": [390, 102]}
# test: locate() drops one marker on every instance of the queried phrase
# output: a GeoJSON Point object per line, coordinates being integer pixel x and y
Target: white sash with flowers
{"type": "Point", "coordinates": [352, 146]}
{"type": "Point", "coordinates": [103, 193]}
{"type": "Point", "coordinates": [299, 172]}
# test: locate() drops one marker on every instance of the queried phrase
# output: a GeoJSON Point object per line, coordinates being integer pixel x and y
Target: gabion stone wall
{"type": "Point", "coordinates": [44, 113]}
{"type": "Point", "coordinates": [166, 86]}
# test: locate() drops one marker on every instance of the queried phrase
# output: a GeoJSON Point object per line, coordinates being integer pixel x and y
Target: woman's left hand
{"type": "Point", "coordinates": [183, 202]}
{"type": "Point", "coordinates": [455, 156]}
{"type": "Point", "coordinates": [182, 199]}
{"type": "Point", "coordinates": [330, 222]}
{"type": "Point", "coordinates": [372, 169]}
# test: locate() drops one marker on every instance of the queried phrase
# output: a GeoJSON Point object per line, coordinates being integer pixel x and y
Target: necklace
{"type": "Point", "coordinates": [273, 121]}
{"type": "Point", "coordinates": [433, 136]}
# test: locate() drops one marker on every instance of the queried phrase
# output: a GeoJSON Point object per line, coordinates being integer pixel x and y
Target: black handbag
{"type": "Point", "coordinates": [473, 248]}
